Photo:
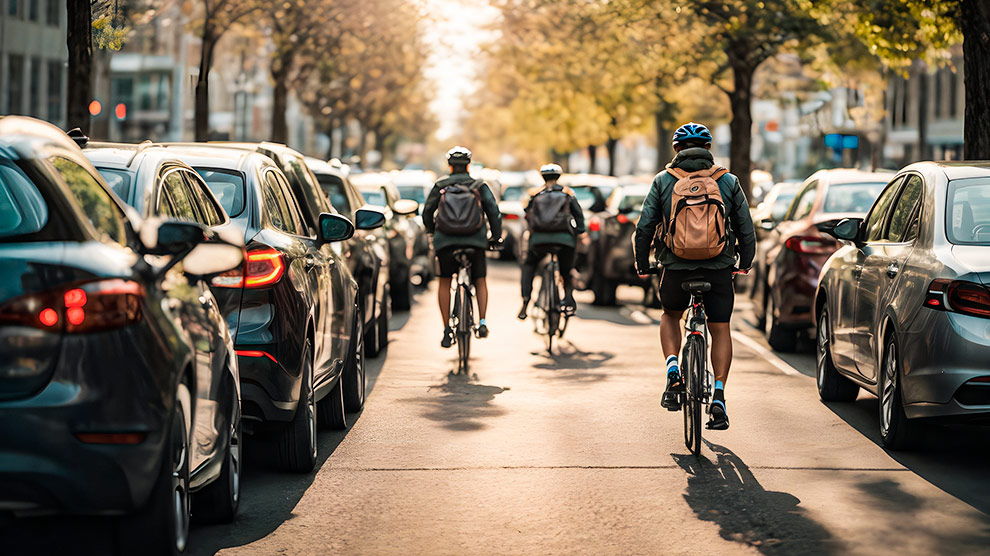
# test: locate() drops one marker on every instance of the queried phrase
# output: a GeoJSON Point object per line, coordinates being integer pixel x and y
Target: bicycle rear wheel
{"type": "Point", "coordinates": [464, 323]}
{"type": "Point", "coordinates": [693, 368]}
{"type": "Point", "coordinates": [553, 305]}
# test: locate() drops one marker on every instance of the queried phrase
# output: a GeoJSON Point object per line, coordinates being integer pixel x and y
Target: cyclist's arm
{"type": "Point", "coordinates": [430, 209]}
{"type": "Point", "coordinates": [490, 206]}
{"type": "Point", "coordinates": [742, 227]}
{"type": "Point", "coordinates": [646, 229]}
{"type": "Point", "coordinates": [578, 213]}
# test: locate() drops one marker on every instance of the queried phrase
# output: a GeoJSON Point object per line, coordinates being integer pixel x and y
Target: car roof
{"type": "Point", "coordinates": [323, 167]}
{"type": "Point", "coordinates": [371, 180]}
{"type": "Point", "coordinates": [633, 189]}
{"type": "Point", "coordinates": [958, 169]}
{"type": "Point", "coordinates": [849, 175]}
{"type": "Point", "coordinates": [131, 157]}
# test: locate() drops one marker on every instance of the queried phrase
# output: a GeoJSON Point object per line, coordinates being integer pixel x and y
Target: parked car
{"type": "Point", "coordinates": [790, 256]}
{"type": "Point", "coordinates": [367, 253]}
{"type": "Point", "coordinates": [903, 307]}
{"type": "Point", "coordinates": [413, 184]}
{"type": "Point", "coordinates": [300, 341]}
{"type": "Point", "coordinates": [118, 385]}
{"type": "Point", "coordinates": [402, 232]}
{"type": "Point", "coordinates": [514, 193]}
{"type": "Point", "coordinates": [610, 255]}
{"type": "Point", "coordinates": [774, 206]}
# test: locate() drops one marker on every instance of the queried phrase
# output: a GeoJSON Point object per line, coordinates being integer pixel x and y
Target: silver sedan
{"type": "Point", "coordinates": [903, 308]}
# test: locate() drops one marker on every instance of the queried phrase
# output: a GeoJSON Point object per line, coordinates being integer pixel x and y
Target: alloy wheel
{"type": "Point", "coordinates": [889, 387]}
{"type": "Point", "coordinates": [311, 410]}
{"type": "Point", "coordinates": [822, 351]}
{"type": "Point", "coordinates": [180, 481]}
{"type": "Point", "coordinates": [359, 360]}
{"type": "Point", "coordinates": [234, 453]}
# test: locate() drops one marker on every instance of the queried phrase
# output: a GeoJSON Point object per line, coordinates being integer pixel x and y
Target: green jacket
{"type": "Point", "coordinates": [656, 211]}
{"type": "Point", "coordinates": [558, 238]}
{"type": "Point", "coordinates": [478, 239]}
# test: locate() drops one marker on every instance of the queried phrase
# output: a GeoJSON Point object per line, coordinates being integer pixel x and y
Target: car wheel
{"type": "Point", "coordinates": [402, 293]}
{"type": "Point", "coordinates": [332, 408]}
{"type": "Point", "coordinates": [373, 347]}
{"type": "Point", "coordinates": [779, 338]}
{"type": "Point", "coordinates": [353, 375]}
{"type": "Point", "coordinates": [383, 322]}
{"type": "Point", "coordinates": [896, 430]}
{"type": "Point", "coordinates": [217, 502]}
{"type": "Point", "coordinates": [297, 447]}
{"type": "Point", "coordinates": [162, 526]}
{"type": "Point", "coordinates": [604, 290]}
{"type": "Point", "coordinates": [832, 386]}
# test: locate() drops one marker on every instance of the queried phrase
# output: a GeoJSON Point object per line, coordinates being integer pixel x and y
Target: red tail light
{"type": "Point", "coordinates": [78, 308]}
{"type": "Point", "coordinates": [595, 225]}
{"type": "Point", "coordinates": [112, 438]}
{"type": "Point", "coordinates": [262, 268]}
{"type": "Point", "coordinates": [959, 296]}
{"type": "Point", "coordinates": [510, 216]}
{"type": "Point", "coordinates": [254, 353]}
{"type": "Point", "coordinates": [623, 219]}
{"type": "Point", "coordinates": [810, 245]}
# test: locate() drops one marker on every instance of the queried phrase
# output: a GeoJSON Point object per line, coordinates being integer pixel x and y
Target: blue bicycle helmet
{"type": "Point", "coordinates": [691, 131]}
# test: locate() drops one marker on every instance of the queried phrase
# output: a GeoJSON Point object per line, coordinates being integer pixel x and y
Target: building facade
{"type": "Point", "coordinates": [33, 59]}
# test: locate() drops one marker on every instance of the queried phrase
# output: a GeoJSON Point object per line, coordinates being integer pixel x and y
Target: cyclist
{"type": "Point", "coordinates": [555, 219]}
{"type": "Point", "coordinates": [480, 206]}
{"type": "Point", "coordinates": [692, 144]}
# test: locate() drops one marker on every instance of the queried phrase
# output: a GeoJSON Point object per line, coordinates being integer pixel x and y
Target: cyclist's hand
{"type": "Point", "coordinates": [496, 244]}
{"type": "Point", "coordinates": [740, 271]}
{"type": "Point", "coordinates": [644, 274]}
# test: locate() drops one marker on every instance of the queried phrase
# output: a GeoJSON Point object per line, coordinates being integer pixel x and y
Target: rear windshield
{"type": "Point", "coordinates": [852, 197]}
{"type": "Point", "coordinates": [22, 208]}
{"type": "Point", "coordinates": [118, 180]}
{"type": "Point", "coordinates": [333, 188]}
{"type": "Point", "coordinates": [376, 197]}
{"type": "Point", "coordinates": [967, 219]}
{"type": "Point", "coordinates": [415, 192]}
{"type": "Point", "coordinates": [227, 186]}
{"type": "Point", "coordinates": [513, 193]}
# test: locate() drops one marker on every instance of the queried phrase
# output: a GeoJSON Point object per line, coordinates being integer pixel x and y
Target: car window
{"type": "Point", "coordinates": [877, 216]}
{"type": "Point", "coordinates": [632, 202]}
{"type": "Point", "coordinates": [22, 208]}
{"type": "Point", "coordinates": [94, 201]}
{"type": "Point", "coordinates": [904, 211]}
{"type": "Point", "coordinates": [334, 189]}
{"type": "Point", "coordinates": [415, 192]}
{"type": "Point", "coordinates": [227, 186]}
{"type": "Point", "coordinates": [164, 207]}
{"type": "Point", "coordinates": [292, 206]}
{"type": "Point", "coordinates": [851, 197]}
{"type": "Point", "coordinates": [118, 180]}
{"type": "Point", "coordinates": [204, 203]}
{"type": "Point", "coordinates": [275, 205]}
{"type": "Point", "coordinates": [780, 205]}
{"type": "Point", "coordinates": [513, 193]}
{"type": "Point", "coordinates": [182, 198]}
{"type": "Point", "coordinates": [804, 201]}
{"type": "Point", "coordinates": [968, 211]}
{"type": "Point", "coordinates": [376, 197]}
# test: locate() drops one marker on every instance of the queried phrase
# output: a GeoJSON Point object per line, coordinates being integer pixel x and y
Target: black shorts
{"type": "Point", "coordinates": [718, 301]}
{"type": "Point", "coordinates": [448, 266]}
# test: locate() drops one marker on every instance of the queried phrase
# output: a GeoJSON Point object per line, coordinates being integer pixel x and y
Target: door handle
{"type": "Point", "coordinates": [310, 262]}
{"type": "Point", "coordinates": [858, 271]}
{"type": "Point", "coordinates": [892, 270]}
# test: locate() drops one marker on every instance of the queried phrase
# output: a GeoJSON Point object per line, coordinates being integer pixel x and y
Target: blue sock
{"type": "Point", "coordinates": [719, 385]}
{"type": "Point", "coordinates": [672, 368]}
{"type": "Point", "coordinates": [481, 322]}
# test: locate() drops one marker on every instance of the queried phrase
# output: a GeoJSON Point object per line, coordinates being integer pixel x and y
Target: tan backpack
{"type": "Point", "coordinates": [696, 229]}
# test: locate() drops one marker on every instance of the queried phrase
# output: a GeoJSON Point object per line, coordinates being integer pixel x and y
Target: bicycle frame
{"type": "Point", "coordinates": [462, 312]}
{"type": "Point", "coordinates": [549, 317]}
{"type": "Point", "coordinates": [696, 374]}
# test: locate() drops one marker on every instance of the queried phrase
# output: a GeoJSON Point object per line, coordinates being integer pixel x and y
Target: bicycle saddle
{"type": "Point", "coordinates": [696, 285]}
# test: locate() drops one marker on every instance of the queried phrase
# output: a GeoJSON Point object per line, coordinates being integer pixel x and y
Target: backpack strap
{"type": "Point", "coordinates": [719, 172]}
{"type": "Point", "coordinates": [677, 173]}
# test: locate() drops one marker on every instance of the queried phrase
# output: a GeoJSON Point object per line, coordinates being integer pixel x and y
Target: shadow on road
{"type": "Point", "coordinates": [570, 363]}
{"type": "Point", "coordinates": [463, 405]}
{"type": "Point", "coordinates": [953, 458]}
{"type": "Point", "coordinates": [727, 493]}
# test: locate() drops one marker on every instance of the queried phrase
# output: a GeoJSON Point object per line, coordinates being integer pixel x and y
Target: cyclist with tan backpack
{"type": "Point", "coordinates": [697, 217]}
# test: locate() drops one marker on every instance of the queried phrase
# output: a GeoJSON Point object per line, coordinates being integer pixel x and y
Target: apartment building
{"type": "Point", "coordinates": [33, 59]}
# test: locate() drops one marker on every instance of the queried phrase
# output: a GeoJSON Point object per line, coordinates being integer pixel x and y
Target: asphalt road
{"type": "Point", "coordinates": [571, 454]}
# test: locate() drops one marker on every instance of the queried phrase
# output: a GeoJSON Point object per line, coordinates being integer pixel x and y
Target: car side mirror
{"type": "Point", "coordinates": [406, 207]}
{"type": "Point", "coordinates": [846, 229]}
{"type": "Point", "coordinates": [369, 219]}
{"type": "Point", "coordinates": [334, 227]}
{"type": "Point", "coordinates": [171, 237]}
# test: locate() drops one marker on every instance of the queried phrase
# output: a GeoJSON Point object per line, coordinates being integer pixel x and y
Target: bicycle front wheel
{"type": "Point", "coordinates": [464, 323]}
{"type": "Point", "coordinates": [693, 369]}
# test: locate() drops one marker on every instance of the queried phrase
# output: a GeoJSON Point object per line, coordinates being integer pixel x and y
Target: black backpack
{"type": "Point", "coordinates": [550, 211]}
{"type": "Point", "coordinates": [460, 212]}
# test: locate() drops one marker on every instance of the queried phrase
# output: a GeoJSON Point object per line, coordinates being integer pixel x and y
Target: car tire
{"type": "Point", "coordinates": [381, 332]}
{"type": "Point", "coordinates": [832, 386]}
{"type": "Point", "coordinates": [897, 432]}
{"type": "Point", "coordinates": [373, 347]}
{"type": "Point", "coordinates": [296, 441]}
{"type": "Point", "coordinates": [604, 290]}
{"type": "Point", "coordinates": [332, 415]}
{"type": "Point", "coordinates": [162, 525]}
{"type": "Point", "coordinates": [402, 293]}
{"type": "Point", "coordinates": [217, 502]}
{"type": "Point", "coordinates": [780, 339]}
{"type": "Point", "coordinates": [353, 375]}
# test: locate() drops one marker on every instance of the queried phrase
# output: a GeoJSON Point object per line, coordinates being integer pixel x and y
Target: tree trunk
{"type": "Point", "coordinates": [741, 126]}
{"type": "Point", "coordinates": [610, 146]}
{"type": "Point", "coordinates": [330, 129]}
{"type": "Point", "coordinates": [593, 157]}
{"type": "Point", "coordinates": [975, 26]}
{"type": "Point", "coordinates": [79, 40]}
{"type": "Point", "coordinates": [202, 109]}
{"type": "Point", "coordinates": [924, 146]}
{"type": "Point", "coordinates": [665, 151]}
{"type": "Point", "coordinates": [281, 66]}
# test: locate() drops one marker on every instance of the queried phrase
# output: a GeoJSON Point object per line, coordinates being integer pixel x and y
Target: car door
{"type": "Point", "coordinates": [890, 242]}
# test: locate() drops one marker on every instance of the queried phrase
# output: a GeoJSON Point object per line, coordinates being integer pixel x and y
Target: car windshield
{"type": "Point", "coordinates": [22, 208]}
{"type": "Point", "coordinates": [227, 186]}
{"type": "Point", "coordinates": [415, 192]}
{"type": "Point", "coordinates": [333, 188]}
{"type": "Point", "coordinates": [852, 197]}
{"type": "Point", "coordinates": [513, 193]}
{"type": "Point", "coordinates": [967, 218]}
{"type": "Point", "coordinates": [585, 196]}
{"type": "Point", "coordinates": [375, 198]}
{"type": "Point", "coordinates": [119, 181]}
{"type": "Point", "coordinates": [632, 203]}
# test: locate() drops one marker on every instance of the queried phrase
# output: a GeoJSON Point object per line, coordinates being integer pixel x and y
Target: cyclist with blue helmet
{"type": "Point", "coordinates": [692, 144]}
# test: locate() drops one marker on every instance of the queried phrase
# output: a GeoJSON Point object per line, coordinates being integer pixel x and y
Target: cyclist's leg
{"type": "Point", "coordinates": [446, 267]}
{"type": "Point", "coordinates": [565, 257]}
{"type": "Point", "coordinates": [718, 307]}
{"type": "Point", "coordinates": [479, 273]}
{"type": "Point", "coordinates": [443, 282]}
{"type": "Point", "coordinates": [674, 302]}
{"type": "Point", "coordinates": [533, 256]}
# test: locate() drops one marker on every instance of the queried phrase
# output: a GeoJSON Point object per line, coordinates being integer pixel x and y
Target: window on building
{"type": "Point", "coordinates": [13, 7]}
{"type": "Point", "coordinates": [144, 92]}
{"type": "Point", "coordinates": [33, 10]}
{"type": "Point", "coordinates": [904, 101]}
{"type": "Point", "coordinates": [15, 89]}
{"type": "Point", "coordinates": [52, 16]}
{"type": "Point", "coordinates": [954, 78]}
{"type": "Point", "coordinates": [939, 90]}
{"type": "Point", "coordinates": [54, 91]}
{"type": "Point", "coordinates": [34, 86]}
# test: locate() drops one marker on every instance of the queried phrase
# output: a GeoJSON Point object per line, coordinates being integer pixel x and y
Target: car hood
{"type": "Point", "coordinates": [975, 259]}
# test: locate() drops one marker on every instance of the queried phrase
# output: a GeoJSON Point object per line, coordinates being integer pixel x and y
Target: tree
{"type": "Point", "coordinates": [79, 40]}
{"type": "Point", "coordinates": [218, 17]}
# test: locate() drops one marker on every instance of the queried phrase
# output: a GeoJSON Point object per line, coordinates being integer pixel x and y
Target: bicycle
{"type": "Point", "coordinates": [549, 317]}
{"type": "Point", "coordinates": [462, 313]}
{"type": "Point", "coordinates": [698, 378]}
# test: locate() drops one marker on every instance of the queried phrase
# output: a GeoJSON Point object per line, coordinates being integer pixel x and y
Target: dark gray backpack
{"type": "Point", "coordinates": [459, 212]}
{"type": "Point", "coordinates": [550, 211]}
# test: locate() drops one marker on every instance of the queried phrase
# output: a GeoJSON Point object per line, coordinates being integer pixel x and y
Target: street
{"type": "Point", "coordinates": [572, 454]}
